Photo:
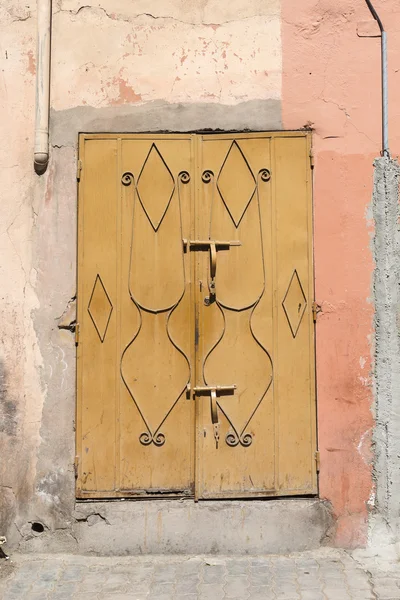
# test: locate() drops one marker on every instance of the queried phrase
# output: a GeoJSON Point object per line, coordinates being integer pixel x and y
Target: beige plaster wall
{"type": "Point", "coordinates": [184, 52]}
{"type": "Point", "coordinates": [116, 65]}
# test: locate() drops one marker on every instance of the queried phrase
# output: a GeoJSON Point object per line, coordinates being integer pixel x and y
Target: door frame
{"type": "Point", "coordinates": [314, 405]}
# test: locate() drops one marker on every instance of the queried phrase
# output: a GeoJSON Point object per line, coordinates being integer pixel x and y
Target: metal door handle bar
{"type": "Point", "coordinates": [219, 244]}
{"type": "Point", "coordinates": [213, 246]}
{"type": "Point", "coordinates": [206, 389]}
{"type": "Point", "coordinates": [213, 390]}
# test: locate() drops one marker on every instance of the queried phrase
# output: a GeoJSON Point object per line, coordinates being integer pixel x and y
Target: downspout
{"type": "Point", "coordinates": [385, 120]}
{"type": "Point", "coordinates": [42, 109]}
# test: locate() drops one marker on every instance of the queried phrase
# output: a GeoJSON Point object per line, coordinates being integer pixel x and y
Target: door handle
{"type": "Point", "coordinates": [214, 246]}
{"type": "Point", "coordinates": [214, 391]}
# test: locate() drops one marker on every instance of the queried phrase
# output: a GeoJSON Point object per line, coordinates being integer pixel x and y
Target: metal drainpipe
{"type": "Point", "coordinates": [385, 119]}
{"type": "Point", "coordinates": [41, 149]}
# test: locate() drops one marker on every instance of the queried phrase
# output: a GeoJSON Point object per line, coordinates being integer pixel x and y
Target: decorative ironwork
{"type": "Point", "coordinates": [236, 183]}
{"type": "Point", "coordinates": [147, 438]}
{"type": "Point", "coordinates": [127, 178]}
{"type": "Point", "coordinates": [154, 284]}
{"type": "Point", "coordinates": [100, 308]}
{"type": "Point", "coordinates": [155, 200]}
{"type": "Point", "coordinates": [294, 303]}
{"type": "Point", "coordinates": [184, 177]}
{"type": "Point", "coordinates": [150, 195]}
{"type": "Point", "coordinates": [207, 176]}
{"type": "Point", "coordinates": [238, 188]}
{"type": "Point", "coordinates": [239, 435]}
{"type": "Point", "coordinates": [233, 439]}
{"type": "Point", "coordinates": [265, 175]}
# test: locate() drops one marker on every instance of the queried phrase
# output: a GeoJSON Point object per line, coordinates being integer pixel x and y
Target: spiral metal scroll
{"type": "Point", "coordinates": [184, 177]}
{"type": "Point", "coordinates": [233, 439]}
{"type": "Point", "coordinates": [265, 175]}
{"type": "Point", "coordinates": [146, 438]}
{"type": "Point", "coordinates": [127, 178]}
{"type": "Point", "coordinates": [207, 176]}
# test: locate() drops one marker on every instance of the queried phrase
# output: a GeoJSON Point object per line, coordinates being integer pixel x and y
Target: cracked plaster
{"type": "Point", "coordinates": [192, 12]}
{"type": "Point", "coordinates": [190, 62]}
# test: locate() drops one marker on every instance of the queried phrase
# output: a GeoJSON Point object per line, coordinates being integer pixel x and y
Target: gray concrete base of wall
{"type": "Point", "coordinates": [186, 527]}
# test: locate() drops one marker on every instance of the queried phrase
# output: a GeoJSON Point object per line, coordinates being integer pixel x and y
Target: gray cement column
{"type": "Point", "coordinates": [386, 293]}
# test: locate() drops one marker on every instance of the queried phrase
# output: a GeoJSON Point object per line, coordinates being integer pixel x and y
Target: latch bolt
{"type": "Point", "coordinates": [213, 390]}
{"type": "Point", "coordinates": [213, 246]}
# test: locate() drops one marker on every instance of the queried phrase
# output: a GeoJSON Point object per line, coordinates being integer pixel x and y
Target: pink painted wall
{"type": "Point", "coordinates": [331, 81]}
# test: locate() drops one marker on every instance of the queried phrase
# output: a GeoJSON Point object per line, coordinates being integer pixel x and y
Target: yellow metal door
{"type": "Point", "coordinates": [195, 290]}
{"type": "Point", "coordinates": [135, 425]}
{"type": "Point", "coordinates": [256, 435]}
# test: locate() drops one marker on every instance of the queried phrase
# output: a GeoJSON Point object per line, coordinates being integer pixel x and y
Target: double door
{"type": "Point", "coordinates": [196, 335]}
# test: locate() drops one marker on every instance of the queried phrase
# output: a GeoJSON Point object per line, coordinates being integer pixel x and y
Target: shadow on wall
{"type": "Point", "coordinates": [8, 408]}
{"type": "Point", "coordinates": [8, 432]}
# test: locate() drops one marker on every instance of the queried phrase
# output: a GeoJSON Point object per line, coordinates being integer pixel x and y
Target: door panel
{"type": "Point", "coordinates": [243, 463]}
{"type": "Point", "coordinates": [294, 318]}
{"type": "Point", "coordinates": [195, 272]}
{"type": "Point", "coordinates": [153, 420]}
{"type": "Point", "coordinates": [258, 333]}
{"type": "Point", "coordinates": [97, 372]}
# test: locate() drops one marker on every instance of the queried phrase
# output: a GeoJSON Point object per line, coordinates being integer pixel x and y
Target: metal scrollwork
{"type": "Point", "coordinates": [232, 439]}
{"type": "Point", "coordinates": [184, 177]}
{"type": "Point", "coordinates": [265, 175]}
{"type": "Point", "coordinates": [152, 204]}
{"type": "Point", "coordinates": [207, 176]}
{"type": "Point", "coordinates": [127, 178]}
{"type": "Point", "coordinates": [147, 438]}
{"type": "Point", "coordinates": [246, 439]}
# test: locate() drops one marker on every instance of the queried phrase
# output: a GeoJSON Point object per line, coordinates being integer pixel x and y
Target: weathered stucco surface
{"type": "Point", "coordinates": [331, 80]}
{"type": "Point", "coordinates": [184, 65]}
{"type": "Point", "coordinates": [118, 66]}
{"type": "Point", "coordinates": [176, 527]}
{"type": "Point", "coordinates": [22, 391]}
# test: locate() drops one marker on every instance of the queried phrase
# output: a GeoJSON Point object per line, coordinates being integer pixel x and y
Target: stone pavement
{"type": "Point", "coordinates": [325, 574]}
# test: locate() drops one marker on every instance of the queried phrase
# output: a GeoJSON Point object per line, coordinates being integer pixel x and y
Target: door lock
{"type": "Point", "coordinates": [214, 246]}
{"type": "Point", "coordinates": [214, 391]}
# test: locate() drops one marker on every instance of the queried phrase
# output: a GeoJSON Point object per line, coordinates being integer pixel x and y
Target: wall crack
{"type": "Point", "coordinates": [129, 19]}
{"type": "Point", "coordinates": [92, 519]}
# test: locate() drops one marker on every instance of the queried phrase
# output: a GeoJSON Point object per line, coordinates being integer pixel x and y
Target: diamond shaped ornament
{"type": "Point", "coordinates": [155, 187]}
{"type": "Point", "coordinates": [236, 183]}
{"type": "Point", "coordinates": [294, 303]}
{"type": "Point", "coordinates": [100, 308]}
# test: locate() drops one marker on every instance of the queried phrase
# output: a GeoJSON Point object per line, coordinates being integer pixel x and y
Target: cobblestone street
{"type": "Point", "coordinates": [320, 575]}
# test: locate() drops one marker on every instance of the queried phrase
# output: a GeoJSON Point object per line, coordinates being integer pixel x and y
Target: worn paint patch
{"type": "Point", "coordinates": [31, 63]}
{"type": "Point", "coordinates": [171, 59]}
{"type": "Point", "coordinates": [127, 94]}
{"type": "Point", "coordinates": [8, 406]}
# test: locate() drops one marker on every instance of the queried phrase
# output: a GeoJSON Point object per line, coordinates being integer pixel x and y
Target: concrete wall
{"type": "Point", "coordinates": [385, 522]}
{"type": "Point", "coordinates": [179, 65]}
